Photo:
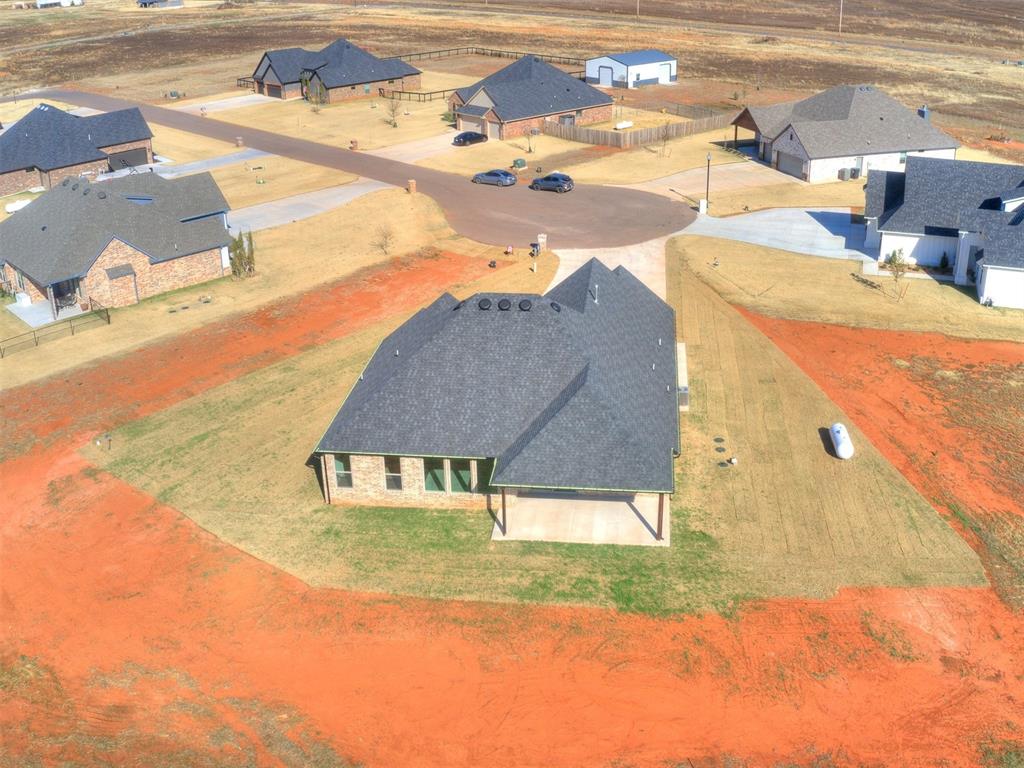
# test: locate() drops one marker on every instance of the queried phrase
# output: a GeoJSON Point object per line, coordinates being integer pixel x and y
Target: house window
{"type": "Point", "coordinates": [20, 279]}
{"type": "Point", "coordinates": [579, 113]}
{"type": "Point", "coordinates": [366, 88]}
{"type": "Point", "coordinates": [903, 158]}
{"type": "Point", "coordinates": [342, 470]}
{"type": "Point", "coordinates": [484, 470]}
{"type": "Point", "coordinates": [433, 475]}
{"type": "Point", "coordinates": [391, 82]}
{"type": "Point", "coordinates": [393, 473]}
{"type": "Point", "coordinates": [461, 475]}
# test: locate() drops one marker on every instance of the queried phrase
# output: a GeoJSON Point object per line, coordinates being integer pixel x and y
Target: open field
{"type": "Point", "coordinates": [789, 285]}
{"type": "Point", "coordinates": [289, 260]}
{"type": "Point", "coordinates": [185, 147]}
{"type": "Point", "coordinates": [272, 178]}
{"type": "Point", "coordinates": [364, 120]}
{"type": "Point", "coordinates": [641, 118]}
{"type": "Point", "coordinates": [11, 111]}
{"type": "Point", "coordinates": [965, 82]}
{"type": "Point", "coordinates": [736, 533]}
{"type": "Point", "coordinates": [947, 413]}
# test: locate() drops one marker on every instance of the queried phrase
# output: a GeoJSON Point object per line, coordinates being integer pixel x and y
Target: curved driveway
{"type": "Point", "coordinates": [589, 217]}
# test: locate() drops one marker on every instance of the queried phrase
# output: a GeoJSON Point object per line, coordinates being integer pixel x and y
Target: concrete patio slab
{"type": "Point", "coordinates": [37, 314]}
{"type": "Point", "coordinates": [298, 207]}
{"type": "Point", "coordinates": [824, 232]}
{"type": "Point", "coordinates": [585, 520]}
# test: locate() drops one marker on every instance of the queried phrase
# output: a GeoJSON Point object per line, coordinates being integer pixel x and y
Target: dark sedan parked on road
{"type": "Point", "coordinates": [498, 177]}
{"type": "Point", "coordinates": [466, 138]}
{"type": "Point", "coordinates": [559, 182]}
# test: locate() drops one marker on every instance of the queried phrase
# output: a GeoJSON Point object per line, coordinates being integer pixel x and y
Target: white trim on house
{"type": "Point", "coordinates": [607, 71]}
{"type": "Point", "coordinates": [1001, 286]}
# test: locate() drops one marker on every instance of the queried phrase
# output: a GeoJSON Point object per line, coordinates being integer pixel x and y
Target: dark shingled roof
{"type": "Point", "coordinates": [936, 196]}
{"type": "Point", "coordinates": [338, 64]}
{"type": "Point", "coordinates": [530, 87]}
{"type": "Point", "coordinates": [49, 138]}
{"type": "Point", "coordinates": [578, 391]}
{"type": "Point", "coordinates": [851, 120]}
{"type": "Point", "coordinates": [59, 235]}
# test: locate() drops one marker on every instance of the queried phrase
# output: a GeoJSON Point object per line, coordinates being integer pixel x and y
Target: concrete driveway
{"type": "Point", "coordinates": [419, 149]}
{"type": "Point", "coordinates": [645, 260]}
{"type": "Point", "coordinates": [585, 520]}
{"type": "Point", "coordinates": [232, 102]}
{"type": "Point", "coordinates": [589, 217]}
{"type": "Point", "coordinates": [298, 207]}
{"type": "Point", "coordinates": [692, 184]}
{"type": "Point", "coordinates": [824, 232]}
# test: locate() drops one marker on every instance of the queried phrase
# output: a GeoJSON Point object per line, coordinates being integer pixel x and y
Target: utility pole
{"type": "Point", "coordinates": [707, 188]}
{"type": "Point", "coordinates": [840, 17]}
{"type": "Point", "coordinates": [638, 10]}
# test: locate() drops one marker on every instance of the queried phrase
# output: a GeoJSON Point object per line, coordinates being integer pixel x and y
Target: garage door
{"type": "Point", "coordinates": [493, 131]}
{"type": "Point", "coordinates": [791, 164]}
{"type": "Point", "coordinates": [128, 158]}
{"type": "Point", "coordinates": [274, 90]}
{"type": "Point", "coordinates": [477, 124]}
{"type": "Point", "coordinates": [604, 76]}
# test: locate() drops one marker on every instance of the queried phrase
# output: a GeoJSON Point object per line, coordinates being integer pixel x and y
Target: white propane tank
{"type": "Point", "coordinates": [841, 441]}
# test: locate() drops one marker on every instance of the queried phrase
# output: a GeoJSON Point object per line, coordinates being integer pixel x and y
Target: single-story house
{"type": "Point", "coordinates": [48, 145]}
{"type": "Point", "coordinates": [843, 133]}
{"type": "Point", "coordinates": [58, 3]}
{"type": "Point", "coordinates": [115, 242]}
{"type": "Point", "coordinates": [340, 71]}
{"type": "Point", "coordinates": [508, 395]}
{"type": "Point", "coordinates": [522, 96]}
{"type": "Point", "coordinates": [970, 214]}
{"type": "Point", "coordinates": [631, 70]}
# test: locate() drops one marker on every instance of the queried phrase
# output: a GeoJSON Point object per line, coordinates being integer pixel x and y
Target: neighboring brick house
{"type": "Point", "coordinates": [503, 395]}
{"type": "Point", "coordinates": [335, 73]}
{"type": "Point", "coordinates": [522, 96]}
{"type": "Point", "coordinates": [49, 145]}
{"type": "Point", "coordinates": [116, 242]}
{"type": "Point", "coordinates": [843, 133]}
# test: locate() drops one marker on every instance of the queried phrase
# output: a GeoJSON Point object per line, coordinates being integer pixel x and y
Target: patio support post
{"type": "Point", "coordinates": [661, 515]}
{"type": "Point", "coordinates": [504, 521]}
{"type": "Point", "coordinates": [735, 136]}
{"type": "Point", "coordinates": [53, 301]}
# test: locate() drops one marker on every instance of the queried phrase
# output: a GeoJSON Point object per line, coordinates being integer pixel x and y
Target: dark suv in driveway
{"type": "Point", "coordinates": [466, 138]}
{"type": "Point", "coordinates": [558, 182]}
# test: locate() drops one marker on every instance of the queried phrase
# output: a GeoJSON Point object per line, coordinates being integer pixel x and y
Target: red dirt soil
{"type": "Point", "coordinates": [946, 412]}
{"type": "Point", "coordinates": [132, 637]}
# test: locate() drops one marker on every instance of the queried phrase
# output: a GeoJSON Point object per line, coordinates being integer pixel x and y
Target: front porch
{"type": "Point", "coordinates": [582, 518]}
{"type": "Point", "coordinates": [39, 313]}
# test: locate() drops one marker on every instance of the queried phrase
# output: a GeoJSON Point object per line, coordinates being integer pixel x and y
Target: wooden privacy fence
{"type": "Point", "coordinates": [475, 50]}
{"type": "Point", "coordinates": [96, 315]}
{"type": "Point", "coordinates": [638, 137]}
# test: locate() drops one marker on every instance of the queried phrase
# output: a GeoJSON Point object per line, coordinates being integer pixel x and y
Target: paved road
{"type": "Point", "coordinates": [298, 207]}
{"type": "Point", "coordinates": [725, 177]}
{"type": "Point", "coordinates": [589, 217]}
{"type": "Point", "coordinates": [816, 232]}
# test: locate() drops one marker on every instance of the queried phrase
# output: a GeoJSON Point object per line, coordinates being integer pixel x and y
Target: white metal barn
{"type": "Point", "coordinates": [630, 70]}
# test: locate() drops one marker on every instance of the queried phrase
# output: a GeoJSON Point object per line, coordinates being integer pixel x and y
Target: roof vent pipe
{"type": "Point", "coordinates": [594, 292]}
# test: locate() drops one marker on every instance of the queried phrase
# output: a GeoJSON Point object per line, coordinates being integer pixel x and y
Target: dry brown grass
{"type": "Point", "coordinates": [790, 285]}
{"type": "Point", "coordinates": [11, 111]}
{"type": "Point", "coordinates": [185, 147]}
{"type": "Point", "coordinates": [840, 194]}
{"type": "Point", "coordinates": [365, 120]}
{"type": "Point", "coordinates": [289, 259]}
{"type": "Point", "coordinates": [280, 177]}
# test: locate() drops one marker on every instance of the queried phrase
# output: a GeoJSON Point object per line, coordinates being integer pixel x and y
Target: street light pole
{"type": "Point", "coordinates": [707, 188]}
{"type": "Point", "coordinates": [840, 17]}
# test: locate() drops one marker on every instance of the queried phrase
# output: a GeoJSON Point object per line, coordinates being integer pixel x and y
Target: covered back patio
{"type": "Point", "coordinates": [580, 517]}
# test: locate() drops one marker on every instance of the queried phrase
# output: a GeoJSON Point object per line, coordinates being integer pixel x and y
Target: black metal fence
{"type": "Point", "coordinates": [97, 315]}
{"type": "Point", "coordinates": [415, 95]}
{"type": "Point", "coordinates": [246, 82]}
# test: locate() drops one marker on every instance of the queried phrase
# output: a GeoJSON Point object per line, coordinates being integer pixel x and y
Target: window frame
{"type": "Point", "coordinates": [393, 479]}
{"type": "Point", "coordinates": [438, 464]}
{"type": "Point", "coordinates": [454, 475]}
{"type": "Point", "coordinates": [343, 477]}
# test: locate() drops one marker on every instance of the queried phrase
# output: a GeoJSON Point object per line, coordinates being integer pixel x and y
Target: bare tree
{"type": "Point", "coordinates": [394, 107]}
{"type": "Point", "coordinates": [385, 238]}
{"type": "Point", "coordinates": [898, 266]}
{"type": "Point", "coordinates": [665, 134]}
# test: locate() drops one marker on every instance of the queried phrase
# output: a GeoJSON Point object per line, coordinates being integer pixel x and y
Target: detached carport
{"type": "Point", "coordinates": [585, 518]}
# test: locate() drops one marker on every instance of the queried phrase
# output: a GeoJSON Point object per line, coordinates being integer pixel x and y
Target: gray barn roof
{"type": "Point", "coordinates": [49, 138]}
{"type": "Point", "coordinates": [338, 64]}
{"type": "Point", "coordinates": [935, 196]}
{"type": "Point", "coordinates": [636, 58]}
{"type": "Point", "coordinates": [572, 393]}
{"type": "Point", "coordinates": [59, 235]}
{"type": "Point", "coordinates": [530, 87]}
{"type": "Point", "coordinates": [850, 120]}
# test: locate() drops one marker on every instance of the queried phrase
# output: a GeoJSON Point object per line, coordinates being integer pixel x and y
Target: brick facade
{"type": "Point", "coordinates": [367, 90]}
{"type": "Point", "coordinates": [149, 279]}
{"type": "Point", "coordinates": [368, 485]}
{"type": "Point", "coordinates": [289, 91]}
{"type": "Point", "coordinates": [19, 181]}
{"type": "Point", "coordinates": [519, 128]}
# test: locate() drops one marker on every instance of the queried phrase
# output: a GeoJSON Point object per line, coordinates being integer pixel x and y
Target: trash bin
{"type": "Point", "coordinates": [519, 163]}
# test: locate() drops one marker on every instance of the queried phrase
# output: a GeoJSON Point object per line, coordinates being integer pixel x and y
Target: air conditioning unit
{"type": "Point", "coordinates": [855, 173]}
{"type": "Point", "coordinates": [844, 174]}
